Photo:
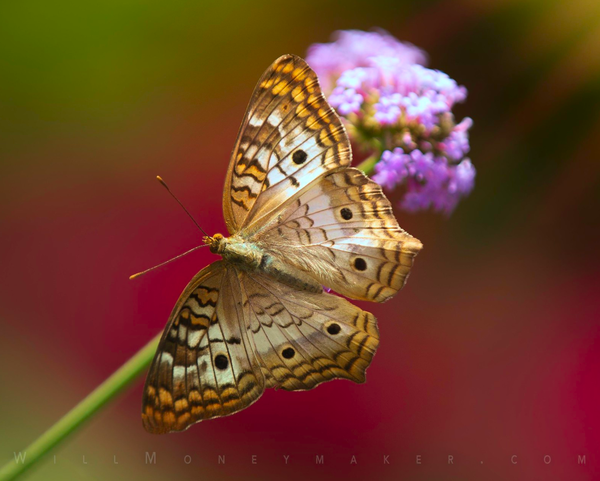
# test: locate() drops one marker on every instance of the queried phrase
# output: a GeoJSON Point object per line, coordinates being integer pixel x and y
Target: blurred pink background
{"type": "Point", "coordinates": [492, 349]}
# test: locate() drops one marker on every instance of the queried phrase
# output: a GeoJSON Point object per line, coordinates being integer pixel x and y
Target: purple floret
{"type": "Point", "coordinates": [346, 101]}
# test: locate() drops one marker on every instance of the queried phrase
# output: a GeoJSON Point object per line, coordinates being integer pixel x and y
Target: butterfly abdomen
{"type": "Point", "coordinates": [288, 275]}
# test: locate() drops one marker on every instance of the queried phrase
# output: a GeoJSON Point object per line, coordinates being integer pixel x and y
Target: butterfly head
{"type": "Point", "coordinates": [215, 243]}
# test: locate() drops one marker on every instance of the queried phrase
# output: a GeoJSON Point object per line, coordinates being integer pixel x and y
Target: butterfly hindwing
{"type": "Point", "coordinates": [344, 233]}
{"type": "Point", "coordinates": [205, 366]}
{"type": "Point", "coordinates": [303, 339]}
{"type": "Point", "coordinates": [289, 137]}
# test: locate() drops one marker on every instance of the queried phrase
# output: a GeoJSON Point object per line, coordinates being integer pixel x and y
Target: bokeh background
{"type": "Point", "coordinates": [492, 349]}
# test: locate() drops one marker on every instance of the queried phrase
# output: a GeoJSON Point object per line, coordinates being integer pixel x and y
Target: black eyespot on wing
{"type": "Point", "coordinates": [333, 329]}
{"type": "Point", "coordinates": [221, 361]}
{"type": "Point", "coordinates": [288, 353]}
{"type": "Point", "coordinates": [346, 213]}
{"type": "Point", "coordinates": [299, 157]}
{"type": "Point", "coordinates": [360, 264]}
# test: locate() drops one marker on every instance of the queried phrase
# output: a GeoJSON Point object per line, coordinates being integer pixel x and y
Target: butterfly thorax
{"type": "Point", "coordinates": [250, 257]}
{"type": "Point", "coordinates": [236, 250]}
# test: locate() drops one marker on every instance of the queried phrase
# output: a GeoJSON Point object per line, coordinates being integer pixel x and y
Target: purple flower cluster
{"type": "Point", "coordinates": [402, 112]}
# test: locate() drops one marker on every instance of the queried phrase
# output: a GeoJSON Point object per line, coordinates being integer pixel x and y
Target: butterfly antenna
{"type": "Point", "coordinates": [164, 184]}
{"type": "Point", "coordinates": [135, 276]}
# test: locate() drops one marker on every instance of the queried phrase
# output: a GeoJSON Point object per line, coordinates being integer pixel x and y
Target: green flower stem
{"type": "Point", "coordinates": [99, 397]}
{"type": "Point", "coordinates": [368, 165]}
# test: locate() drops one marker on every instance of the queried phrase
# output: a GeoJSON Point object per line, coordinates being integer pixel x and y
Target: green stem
{"type": "Point", "coordinates": [99, 397]}
{"type": "Point", "coordinates": [368, 165]}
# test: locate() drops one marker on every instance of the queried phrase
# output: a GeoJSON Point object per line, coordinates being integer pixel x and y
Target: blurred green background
{"type": "Point", "coordinates": [490, 351]}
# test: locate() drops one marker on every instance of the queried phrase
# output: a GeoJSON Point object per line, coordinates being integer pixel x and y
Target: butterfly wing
{"type": "Point", "coordinates": [289, 137]}
{"type": "Point", "coordinates": [342, 231]}
{"type": "Point", "coordinates": [205, 365]}
{"type": "Point", "coordinates": [302, 338]}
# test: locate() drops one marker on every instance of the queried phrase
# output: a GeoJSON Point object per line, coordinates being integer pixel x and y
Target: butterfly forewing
{"type": "Point", "coordinates": [205, 366]}
{"type": "Point", "coordinates": [289, 137]}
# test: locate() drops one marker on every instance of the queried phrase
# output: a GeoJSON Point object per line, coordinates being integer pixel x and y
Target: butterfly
{"type": "Point", "coordinates": [299, 218]}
